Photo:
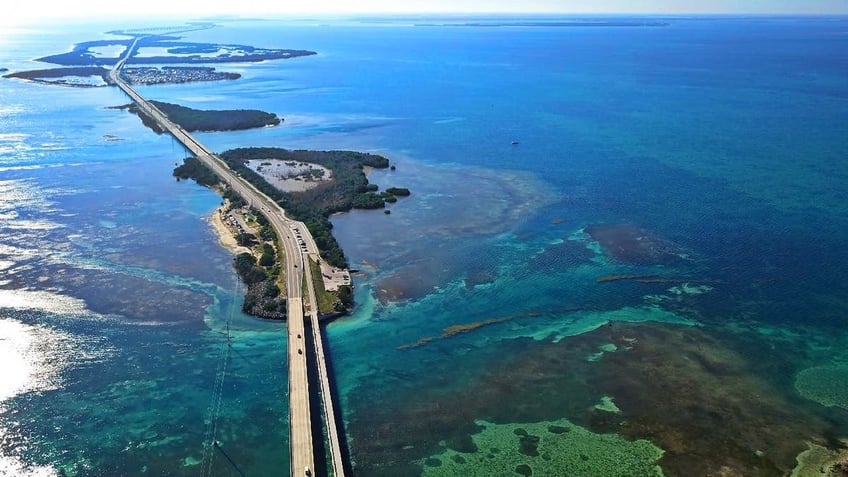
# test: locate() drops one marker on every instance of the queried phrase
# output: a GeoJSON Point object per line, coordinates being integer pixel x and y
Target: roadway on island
{"type": "Point", "coordinates": [292, 235]}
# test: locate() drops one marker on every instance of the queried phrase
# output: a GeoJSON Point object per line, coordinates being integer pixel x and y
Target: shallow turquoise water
{"type": "Point", "coordinates": [719, 141]}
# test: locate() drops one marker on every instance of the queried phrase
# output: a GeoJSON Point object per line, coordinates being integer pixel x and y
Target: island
{"type": "Point", "coordinates": [174, 75]}
{"type": "Point", "coordinates": [165, 49]}
{"type": "Point", "coordinates": [206, 120]}
{"type": "Point", "coordinates": [85, 65]}
{"type": "Point", "coordinates": [347, 189]}
{"type": "Point", "coordinates": [588, 22]}
{"type": "Point", "coordinates": [80, 77]}
{"type": "Point", "coordinates": [310, 186]}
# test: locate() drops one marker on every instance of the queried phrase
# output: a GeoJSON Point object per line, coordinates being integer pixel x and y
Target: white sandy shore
{"type": "Point", "coordinates": [225, 236]}
{"type": "Point", "coordinates": [332, 277]}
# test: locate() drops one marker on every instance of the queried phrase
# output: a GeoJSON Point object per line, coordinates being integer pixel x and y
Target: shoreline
{"type": "Point", "coordinates": [226, 239]}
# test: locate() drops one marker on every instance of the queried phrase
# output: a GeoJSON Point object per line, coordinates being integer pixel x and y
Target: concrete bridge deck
{"type": "Point", "coordinates": [300, 425]}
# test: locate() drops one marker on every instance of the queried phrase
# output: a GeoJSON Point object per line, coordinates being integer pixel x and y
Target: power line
{"type": "Point", "coordinates": [210, 437]}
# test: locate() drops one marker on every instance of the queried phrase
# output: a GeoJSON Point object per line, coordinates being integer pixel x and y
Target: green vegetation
{"type": "Point", "coordinates": [247, 269]}
{"type": "Point", "coordinates": [268, 257]}
{"type": "Point", "coordinates": [246, 239]}
{"type": "Point", "coordinates": [327, 302]}
{"type": "Point", "coordinates": [145, 119]}
{"type": "Point", "coordinates": [234, 198]}
{"type": "Point", "coordinates": [398, 191]}
{"type": "Point", "coordinates": [192, 168]}
{"type": "Point", "coordinates": [45, 76]}
{"type": "Point", "coordinates": [263, 295]}
{"type": "Point", "coordinates": [345, 295]}
{"type": "Point", "coordinates": [205, 120]}
{"type": "Point", "coordinates": [218, 120]}
{"type": "Point", "coordinates": [348, 189]}
{"type": "Point", "coordinates": [368, 200]}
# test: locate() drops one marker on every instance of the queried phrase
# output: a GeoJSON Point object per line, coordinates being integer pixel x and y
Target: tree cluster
{"type": "Point", "coordinates": [348, 189]}
{"type": "Point", "coordinates": [216, 120]}
{"type": "Point", "coordinates": [192, 168]}
{"type": "Point", "coordinates": [263, 295]}
{"type": "Point", "coordinates": [247, 269]}
{"type": "Point", "coordinates": [398, 191]}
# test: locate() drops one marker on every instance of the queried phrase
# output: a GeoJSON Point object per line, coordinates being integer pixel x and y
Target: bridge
{"type": "Point", "coordinates": [297, 268]}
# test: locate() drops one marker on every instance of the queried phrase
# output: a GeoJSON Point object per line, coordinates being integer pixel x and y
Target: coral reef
{"type": "Point", "coordinates": [826, 385]}
{"type": "Point", "coordinates": [634, 245]}
{"type": "Point", "coordinates": [718, 402]}
{"type": "Point", "coordinates": [819, 461]}
{"type": "Point", "coordinates": [547, 448]}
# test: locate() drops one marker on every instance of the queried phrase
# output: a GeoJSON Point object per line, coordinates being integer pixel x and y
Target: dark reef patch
{"type": "Point", "coordinates": [634, 245]}
{"type": "Point", "coordinates": [715, 402]}
{"type": "Point", "coordinates": [529, 445]}
{"type": "Point", "coordinates": [712, 401]}
{"type": "Point", "coordinates": [412, 282]}
{"type": "Point", "coordinates": [561, 256]}
{"type": "Point", "coordinates": [523, 469]}
{"type": "Point", "coordinates": [480, 277]}
{"type": "Point", "coordinates": [558, 429]}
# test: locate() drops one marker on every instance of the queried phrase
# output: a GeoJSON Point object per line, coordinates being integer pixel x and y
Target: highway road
{"type": "Point", "coordinates": [290, 234]}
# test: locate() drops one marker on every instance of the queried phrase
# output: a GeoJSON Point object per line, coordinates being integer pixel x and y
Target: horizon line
{"type": "Point", "coordinates": [223, 16]}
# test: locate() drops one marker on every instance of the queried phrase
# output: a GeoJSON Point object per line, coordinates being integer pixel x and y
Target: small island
{"type": "Point", "coordinates": [165, 49]}
{"type": "Point", "coordinates": [207, 120]}
{"type": "Point", "coordinates": [174, 75]}
{"type": "Point", "coordinates": [332, 181]}
{"type": "Point", "coordinates": [80, 77]}
{"type": "Point", "coordinates": [347, 188]}
{"type": "Point", "coordinates": [87, 64]}
{"type": "Point", "coordinates": [325, 182]}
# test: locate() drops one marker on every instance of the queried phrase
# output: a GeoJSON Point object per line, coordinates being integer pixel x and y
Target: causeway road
{"type": "Point", "coordinates": [301, 438]}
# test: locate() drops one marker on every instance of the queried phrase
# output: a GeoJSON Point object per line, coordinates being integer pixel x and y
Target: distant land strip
{"type": "Point", "coordinates": [41, 76]}
{"type": "Point", "coordinates": [565, 24]}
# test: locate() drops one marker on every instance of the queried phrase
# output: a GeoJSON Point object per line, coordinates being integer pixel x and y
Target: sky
{"type": "Point", "coordinates": [28, 12]}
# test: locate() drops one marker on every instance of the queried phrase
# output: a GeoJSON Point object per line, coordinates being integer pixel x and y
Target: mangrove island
{"type": "Point", "coordinates": [207, 120]}
{"type": "Point", "coordinates": [338, 184]}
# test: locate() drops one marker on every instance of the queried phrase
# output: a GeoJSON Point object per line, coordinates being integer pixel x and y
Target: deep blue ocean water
{"type": "Point", "coordinates": [713, 149]}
